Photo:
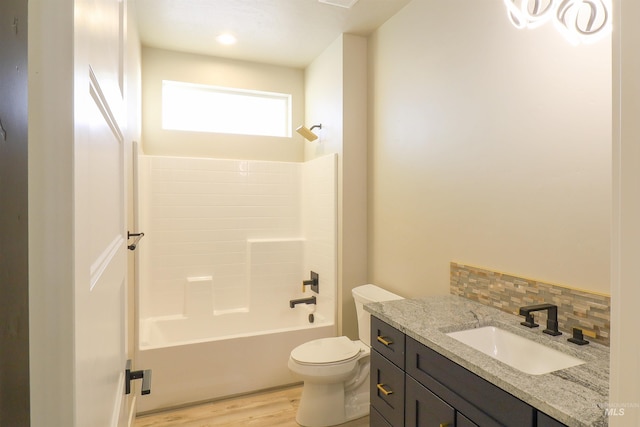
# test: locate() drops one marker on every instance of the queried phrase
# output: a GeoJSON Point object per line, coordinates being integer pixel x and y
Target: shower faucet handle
{"type": "Point", "coordinates": [314, 283]}
{"type": "Point", "coordinates": [306, 283]}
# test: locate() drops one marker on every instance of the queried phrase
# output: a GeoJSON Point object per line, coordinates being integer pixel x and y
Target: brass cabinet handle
{"type": "Point", "coordinates": [385, 341]}
{"type": "Point", "coordinates": [384, 391]}
{"type": "Point", "coordinates": [445, 424]}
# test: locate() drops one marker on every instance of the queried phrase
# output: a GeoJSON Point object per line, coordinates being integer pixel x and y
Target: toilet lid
{"type": "Point", "coordinates": [325, 350]}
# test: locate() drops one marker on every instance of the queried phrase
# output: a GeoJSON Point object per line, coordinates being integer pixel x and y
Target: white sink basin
{"type": "Point", "coordinates": [518, 352]}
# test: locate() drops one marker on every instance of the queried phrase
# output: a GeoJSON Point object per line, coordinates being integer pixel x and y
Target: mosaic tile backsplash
{"type": "Point", "coordinates": [576, 308]}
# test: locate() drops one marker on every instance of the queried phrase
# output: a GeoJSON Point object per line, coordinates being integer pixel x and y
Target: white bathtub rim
{"type": "Point", "coordinates": [146, 324]}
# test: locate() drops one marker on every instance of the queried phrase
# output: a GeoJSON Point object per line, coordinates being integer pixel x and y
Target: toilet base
{"type": "Point", "coordinates": [324, 405]}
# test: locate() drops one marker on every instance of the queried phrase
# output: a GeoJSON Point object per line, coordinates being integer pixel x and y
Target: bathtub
{"type": "Point", "coordinates": [227, 244]}
{"type": "Point", "coordinates": [200, 359]}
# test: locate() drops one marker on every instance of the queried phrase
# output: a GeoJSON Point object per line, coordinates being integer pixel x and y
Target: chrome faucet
{"type": "Point", "coordinates": [552, 317]}
{"type": "Point", "coordinates": [294, 302]}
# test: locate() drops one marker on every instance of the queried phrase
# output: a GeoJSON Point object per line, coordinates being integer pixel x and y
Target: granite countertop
{"type": "Point", "coordinates": [575, 396]}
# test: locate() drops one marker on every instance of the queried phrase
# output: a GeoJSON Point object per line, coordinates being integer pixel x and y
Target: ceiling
{"type": "Point", "coordinates": [283, 32]}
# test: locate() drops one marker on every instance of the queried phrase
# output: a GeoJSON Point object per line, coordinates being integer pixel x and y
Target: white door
{"type": "Point", "coordinates": [100, 235]}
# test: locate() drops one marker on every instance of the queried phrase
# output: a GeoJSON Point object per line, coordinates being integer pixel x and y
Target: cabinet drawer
{"type": "Point", "coordinates": [425, 409]}
{"type": "Point", "coordinates": [387, 389]}
{"type": "Point", "coordinates": [480, 401]}
{"type": "Point", "coordinates": [462, 421]}
{"type": "Point", "coordinates": [377, 420]}
{"type": "Point", "coordinates": [388, 341]}
{"type": "Point", "coordinates": [545, 420]}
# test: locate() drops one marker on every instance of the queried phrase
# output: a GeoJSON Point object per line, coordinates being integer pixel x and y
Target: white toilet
{"type": "Point", "coordinates": [335, 370]}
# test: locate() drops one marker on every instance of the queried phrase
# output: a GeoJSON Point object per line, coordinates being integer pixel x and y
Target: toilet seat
{"type": "Point", "coordinates": [326, 351]}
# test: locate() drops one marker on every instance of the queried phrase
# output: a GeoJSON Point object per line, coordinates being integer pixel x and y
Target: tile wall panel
{"type": "Point", "coordinates": [199, 214]}
{"type": "Point", "coordinates": [253, 226]}
{"type": "Point", "coordinates": [577, 308]}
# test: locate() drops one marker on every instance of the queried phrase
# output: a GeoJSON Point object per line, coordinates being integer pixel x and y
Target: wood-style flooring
{"type": "Point", "coordinates": [267, 409]}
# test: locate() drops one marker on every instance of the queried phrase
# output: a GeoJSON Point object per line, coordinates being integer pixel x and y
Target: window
{"type": "Point", "coordinates": [201, 108]}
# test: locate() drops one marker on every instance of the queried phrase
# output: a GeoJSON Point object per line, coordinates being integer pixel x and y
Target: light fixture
{"type": "Point", "coordinates": [307, 133]}
{"type": "Point", "coordinates": [579, 21]}
{"type": "Point", "coordinates": [227, 39]}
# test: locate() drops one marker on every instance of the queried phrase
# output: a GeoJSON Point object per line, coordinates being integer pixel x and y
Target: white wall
{"type": "Point", "coordinates": [489, 146]}
{"type": "Point", "coordinates": [319, 228]}
{"type": "Point", "coordinates": [336, 96]}
{"type": "Point", "coordinates": [158, 65]}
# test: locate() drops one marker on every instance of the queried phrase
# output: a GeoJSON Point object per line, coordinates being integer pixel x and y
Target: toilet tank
{"type": "Point", "coordinates": [363, 295]}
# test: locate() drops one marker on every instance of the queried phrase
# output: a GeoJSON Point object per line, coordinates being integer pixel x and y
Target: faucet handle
{"type": "Point", "coordinates": [306, 283]}
{"type": "Point", "coordinates": [578, 337]}
{"type": "Point", "coordinates": [529, 321]}
{"type": "Point", "coordinates": [313, 283]}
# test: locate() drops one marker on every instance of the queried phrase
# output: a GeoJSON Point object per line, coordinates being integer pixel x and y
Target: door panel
{"type": "Point", "coordinates": [100, 235]}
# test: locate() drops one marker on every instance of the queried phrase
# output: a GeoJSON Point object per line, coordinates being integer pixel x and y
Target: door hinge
{"type": "Point", "coordinates": [130, 375]}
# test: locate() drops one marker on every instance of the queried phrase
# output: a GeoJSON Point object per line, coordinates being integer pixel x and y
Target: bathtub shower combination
{"type": "Point", "coordinates": [227, 246]}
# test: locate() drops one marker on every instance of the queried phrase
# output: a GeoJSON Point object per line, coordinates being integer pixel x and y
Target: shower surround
{"type": "Point", "coordinates": [227, 245]}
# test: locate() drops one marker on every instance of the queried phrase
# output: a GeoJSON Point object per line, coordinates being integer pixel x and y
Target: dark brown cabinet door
{"type": "Point", "coordinates": [462, 421]}
{"type": "Point", "coordinates": [425, 409]}
{"type": "Point", "coordinates": [387, 389]}
{"type": "Point", "coordinates": [545, 420]}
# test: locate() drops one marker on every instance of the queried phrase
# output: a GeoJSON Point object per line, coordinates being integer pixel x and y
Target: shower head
{"type": "Point", "coordinates": [302, 130]}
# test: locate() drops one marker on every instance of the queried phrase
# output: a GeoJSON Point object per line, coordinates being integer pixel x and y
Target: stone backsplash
{"type": "Point", "coordinates": [577, 308]}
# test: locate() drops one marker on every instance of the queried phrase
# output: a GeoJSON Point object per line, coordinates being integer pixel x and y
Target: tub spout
{"type": "Point", "coordinates": [295, 302]}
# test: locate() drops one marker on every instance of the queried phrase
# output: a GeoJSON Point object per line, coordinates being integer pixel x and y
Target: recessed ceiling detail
{"type": "Point", "coordinates": [289, 33]}
{"type": "Point", "coordinates": [341, 3]}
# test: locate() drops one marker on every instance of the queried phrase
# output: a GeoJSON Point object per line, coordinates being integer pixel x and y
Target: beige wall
{"type": "Point", "coordinates": [489, 146]}
{"type": "Point", "coordinates": [158, 65]}
{"type": "Point", "coordinates": [336, 96]}
{"type": "Point", "coordinates": [51, 220]}
{"type": "Point", "coordinates": [625, 293]}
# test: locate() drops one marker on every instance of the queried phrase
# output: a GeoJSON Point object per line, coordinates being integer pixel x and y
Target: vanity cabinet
{"type": "Point", "coordinates": [475, 398]}
{"type": "Point", "coordinates": [423, 408]}
{"type": "Point", "coordinates": [387, 384]}
{"type": "Point", "coordinates": [545, 420]}
{"type": "Point", "coordinates": [425, 389]}
{"type": "Point", "coordinates": [387, 389]}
